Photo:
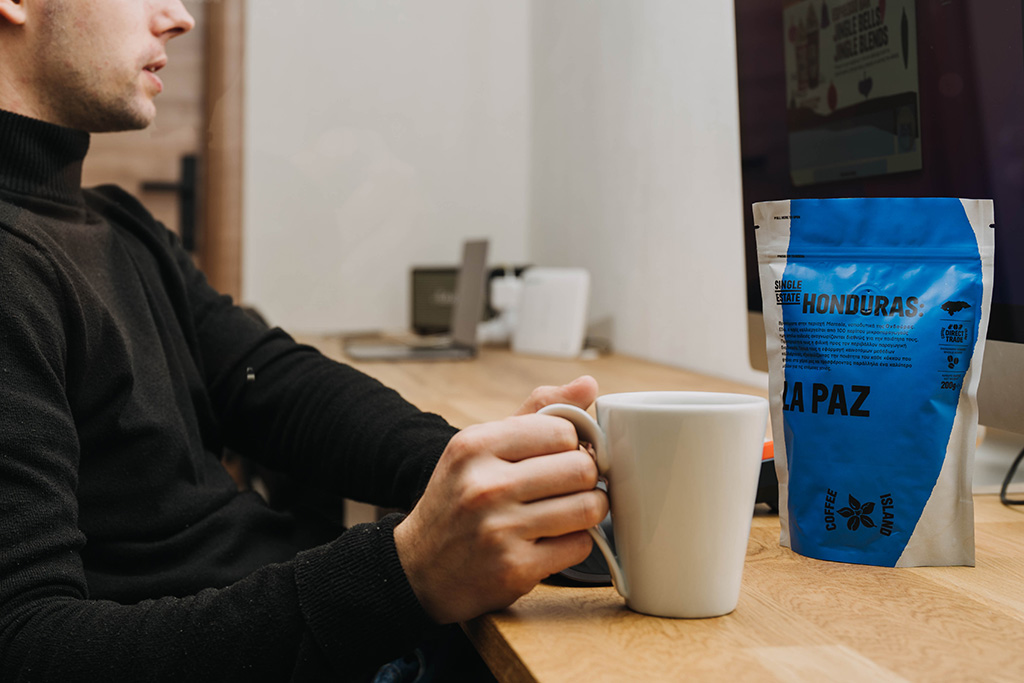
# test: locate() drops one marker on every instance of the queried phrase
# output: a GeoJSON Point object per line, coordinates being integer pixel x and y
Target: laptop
{"type": "Point", "coordinates": [467, 310]}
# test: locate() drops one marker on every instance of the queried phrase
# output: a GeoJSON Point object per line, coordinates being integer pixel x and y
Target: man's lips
{"type": "Point", "coordinates": [156, 64]}
{"type": "Point", "coordinates": [151, 70]}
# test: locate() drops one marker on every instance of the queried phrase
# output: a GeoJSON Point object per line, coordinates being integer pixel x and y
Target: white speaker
{"type": "Point", "coordinates": [552, 313]}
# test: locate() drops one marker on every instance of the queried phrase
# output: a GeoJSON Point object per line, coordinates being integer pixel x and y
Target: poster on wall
{"type": "Point", "coordinates": [851, 89]}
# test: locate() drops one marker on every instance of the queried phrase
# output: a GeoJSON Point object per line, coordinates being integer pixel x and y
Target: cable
{"type": "Point", "coordinates": [1006, 483]}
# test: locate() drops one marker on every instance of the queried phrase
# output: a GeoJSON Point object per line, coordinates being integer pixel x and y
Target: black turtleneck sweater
{"type": "Point", "coordinates": [126, 552]}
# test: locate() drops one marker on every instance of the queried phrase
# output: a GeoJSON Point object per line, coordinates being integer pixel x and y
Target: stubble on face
{"type": "Point", "coordinates": [86, 77]}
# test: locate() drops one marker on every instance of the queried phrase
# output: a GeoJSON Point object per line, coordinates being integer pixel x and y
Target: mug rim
{"type": "Point", "coordinates": [680, 400]}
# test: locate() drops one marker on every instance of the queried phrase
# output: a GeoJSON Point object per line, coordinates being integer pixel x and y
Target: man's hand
{"type": "Point", "coordinates": [508, 505]}
{"type": "Point", "coordinates": [581, 392]}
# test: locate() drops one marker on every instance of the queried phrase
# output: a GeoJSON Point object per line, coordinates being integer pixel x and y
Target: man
{"type": "Point", "coordinates": [125, 551]}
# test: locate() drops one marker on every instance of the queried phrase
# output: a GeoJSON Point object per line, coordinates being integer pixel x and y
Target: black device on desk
{"type": "Point", "coordinates": [466, 312]}
{"type": "Point", "coordinates": [432, 293]}
{"type": "Point", "coordinates": [433, 297]}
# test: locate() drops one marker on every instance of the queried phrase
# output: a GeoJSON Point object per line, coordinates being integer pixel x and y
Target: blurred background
{"type": "Point", "coordinates": [336, 144]}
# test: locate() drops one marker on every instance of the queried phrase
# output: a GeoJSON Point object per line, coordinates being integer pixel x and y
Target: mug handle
{"type": "Point", "coordinates": [589, 431]}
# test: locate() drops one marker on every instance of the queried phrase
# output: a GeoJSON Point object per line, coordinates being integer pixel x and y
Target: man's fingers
{"type": "Point", "coordinates": [518, 438]}
{"type": "Point", "coordinates": [554, 517]}
{"type": "Point", "coordinates": [554, 475]}
{"type": "Point", "coordinates": [557, 553]}
{"type": "Point", "coordinates": [581, 392]}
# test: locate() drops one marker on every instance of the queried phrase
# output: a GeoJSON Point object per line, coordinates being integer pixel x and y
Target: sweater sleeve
{"type": "Point", "coordinates": [341, 608]}
{"type": "Point", "coordinates": [284, 404]}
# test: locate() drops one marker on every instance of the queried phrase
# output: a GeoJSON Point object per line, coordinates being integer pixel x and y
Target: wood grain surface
{"type": "Point", "coordinates": [798, 619]}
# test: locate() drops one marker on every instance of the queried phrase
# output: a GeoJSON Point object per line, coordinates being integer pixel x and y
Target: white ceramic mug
{"type": "Point", "coordinates": [682, 470]}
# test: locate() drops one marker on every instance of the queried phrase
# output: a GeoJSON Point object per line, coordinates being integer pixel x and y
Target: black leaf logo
{"type": "Point", "coordinates": [858, 515]}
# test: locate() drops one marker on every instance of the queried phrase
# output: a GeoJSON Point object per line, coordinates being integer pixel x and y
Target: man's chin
{"type": "Point", "coordinates": [124, 123]}
{"type": "Point", "coordinates": [116, 120]}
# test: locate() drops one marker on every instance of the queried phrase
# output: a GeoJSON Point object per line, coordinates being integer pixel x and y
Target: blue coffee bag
{"type": "Point", "coordinates": [874, 310]}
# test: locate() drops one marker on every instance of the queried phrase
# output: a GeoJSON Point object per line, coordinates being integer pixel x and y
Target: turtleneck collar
{"type": "Point", "coordinates": [40, 160]}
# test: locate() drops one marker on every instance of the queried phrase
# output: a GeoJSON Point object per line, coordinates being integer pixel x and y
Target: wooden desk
{"type": "Point", "coordinates": [798, 619]}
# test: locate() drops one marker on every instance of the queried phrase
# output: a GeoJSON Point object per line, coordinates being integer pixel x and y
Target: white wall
{"type": "Point", "coordinates": [379, 134]}
{"type": "Point", "coordinates": [594, 133]}
{"type": "Point", "coordinates": [635, 172]}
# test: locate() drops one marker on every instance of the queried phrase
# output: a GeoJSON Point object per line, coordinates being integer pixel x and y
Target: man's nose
{"type": "Point", "coordinates": [172, 19]}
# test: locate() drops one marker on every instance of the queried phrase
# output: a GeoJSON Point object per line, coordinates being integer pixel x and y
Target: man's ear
{"type": "Point", "coordinates": [12, 11]}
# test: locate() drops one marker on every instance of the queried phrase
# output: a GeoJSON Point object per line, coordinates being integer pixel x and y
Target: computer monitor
{"type": "Point", "coordinates": [892, 98]}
